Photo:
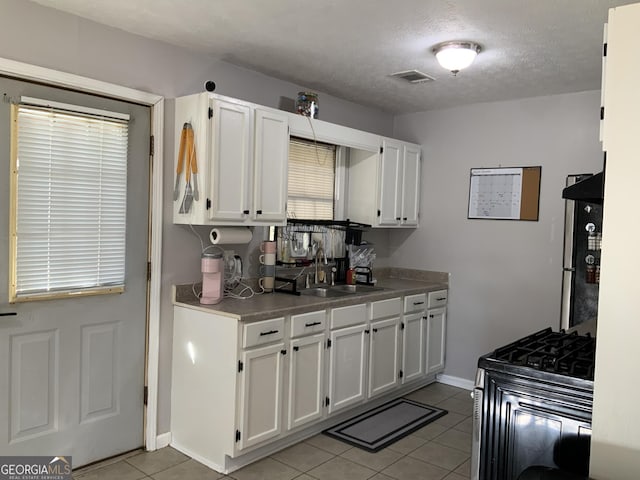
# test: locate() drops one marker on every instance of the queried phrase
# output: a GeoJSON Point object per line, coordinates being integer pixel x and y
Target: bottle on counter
{"type": "Point", "coordinates": [351, 276]}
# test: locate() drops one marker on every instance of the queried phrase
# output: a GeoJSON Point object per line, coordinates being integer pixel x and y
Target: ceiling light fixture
{"type": "Point", "coordinates": [456, 55]}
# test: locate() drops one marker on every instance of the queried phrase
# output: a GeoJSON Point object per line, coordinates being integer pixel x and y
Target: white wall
{"type": "Point", "coordinates": [505, 275]}
{"type": "Point", "coordinates": [41, 36]}
{"type": "Point", "coordinates": [615, 443]}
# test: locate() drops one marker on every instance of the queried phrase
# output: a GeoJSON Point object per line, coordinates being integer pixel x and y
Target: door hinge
{"type": "Point", "coordinates": [208, 203]}
{"type": "Point", "coordinates": [238, 435]}
{"type": "Point", "coordinates": [381, 149]}
{"type": "Point", "coordinates": [601, 113]}
{"type": "Point", "coordinates": [400, 374]}
{"type": "Point", "coordinates": [328, 343]}
{"type": "Point", "coordinates": [326, 401]}
{"type": "Point", "coordinates": [604, 50]}
{"type": "Point", "coordinates": [379, 212]}
{"type": "Point", "coordinates": [401, 325]}
{"type": "Point", "coordinates": [152, 145]}
{"type": "Point", "coordinates": [145, 395]}
{"type": "Point", "coordinates": [240, 366]}
{"type": "Point", "coordinates": [148, 271]}
{"type": "Point", "coordinates": [210, 112]}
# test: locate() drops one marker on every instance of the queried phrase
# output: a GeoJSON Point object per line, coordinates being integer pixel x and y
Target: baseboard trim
{"type": "Point", "coordinates": [455, 381]}
{"type": "Point", "coordinates": [163, 440]}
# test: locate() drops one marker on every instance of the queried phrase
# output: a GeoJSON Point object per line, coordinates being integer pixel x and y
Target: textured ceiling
{"type": "Point", "coordinates": [348, 48]}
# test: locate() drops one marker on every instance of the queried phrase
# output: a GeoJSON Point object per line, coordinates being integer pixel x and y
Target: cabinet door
{"type": "Point", "coordinates": [261, 387]}
{"type": "Point", "coordinates": [410, 186]}
{"type": "Point", "coordinates": [306, 378]}
{"type": "Point", "coordinates": [436, 330]}
{"type": "Point", "coordinates": [231, 156]}
{"type": "Point", "coordinates": [389, 182]}
{"type": "Point", "coordinates": [347, 356]}
{"type": "Point", "coordinates": [383, 356]}
{"type": "Point", "coordinates": [413, 339]}
{"type": "Point", "coordinates": [271, 161]}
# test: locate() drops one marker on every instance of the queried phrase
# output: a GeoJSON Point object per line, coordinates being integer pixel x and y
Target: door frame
{"type": "Point", "coordinates": [57, 78]}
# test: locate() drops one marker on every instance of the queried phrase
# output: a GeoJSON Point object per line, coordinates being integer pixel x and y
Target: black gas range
{"type": "Point", "coordinates": [532, 406]}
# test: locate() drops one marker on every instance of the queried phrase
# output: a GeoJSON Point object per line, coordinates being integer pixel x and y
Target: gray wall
{"type": "Point", "coordinates": [505, 275]}
{"type": "Point", "coordinates": [41, 36]}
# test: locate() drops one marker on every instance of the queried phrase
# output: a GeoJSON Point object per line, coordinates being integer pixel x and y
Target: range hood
{"type": "Point", "coordinates": [591, 189]}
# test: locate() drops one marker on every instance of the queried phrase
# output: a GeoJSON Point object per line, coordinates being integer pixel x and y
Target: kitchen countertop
{"type": "Point", "coordinates": [399, 282]}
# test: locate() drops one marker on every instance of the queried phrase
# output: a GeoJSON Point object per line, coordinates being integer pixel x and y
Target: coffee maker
{"type": "Point", "coordinates": [212, 266]}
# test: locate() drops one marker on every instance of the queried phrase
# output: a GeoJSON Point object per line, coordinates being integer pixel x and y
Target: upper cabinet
{"type": "Point", "coordinates": [241, 155]}
{"type": "Point", "coordinates": [384, 188]}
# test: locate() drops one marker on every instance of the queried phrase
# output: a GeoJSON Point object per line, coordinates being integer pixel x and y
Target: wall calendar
{"type": "Point", "coordinates": [505, 193]}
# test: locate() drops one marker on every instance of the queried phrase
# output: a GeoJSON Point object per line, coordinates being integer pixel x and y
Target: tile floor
{"type": "Point", "coordinates": [441, 450]}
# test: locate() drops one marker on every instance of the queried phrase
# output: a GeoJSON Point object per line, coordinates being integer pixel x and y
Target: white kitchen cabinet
{"type": "Point", "coordinates": [383, 355]}
{"type": "Point", "coordinates": [384, 188]}
{"type": "Point", "coordinates": [306, 380]}
{"type": "Point", "coordinates": [347, 364]}
{"type": "Point", "coordinates": [261, 395]}
{"type": "Point", "coordinates": [413, 346]}
{"type": "Point", "coordinates": [242, 153]}
{"type": "Point", "coordinates": [436, 338]}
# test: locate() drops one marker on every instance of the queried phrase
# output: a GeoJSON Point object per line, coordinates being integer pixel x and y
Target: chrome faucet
{"type": "Point", "coordinates": [320, 249]}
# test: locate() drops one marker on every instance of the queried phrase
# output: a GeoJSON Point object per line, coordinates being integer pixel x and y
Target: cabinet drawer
{"type": "Point", "coordinates": [415, 303]}
{"type": "Point", "coordinates": [437, 299]}
{"type": "Point", "coordinates": [307, 323]}
{"type": "Point", "coordinates": [346, 316]}
{"type": "Point", "coordinates": [263, 332]}
{"type": "Point", "coordinates": [386, 308]}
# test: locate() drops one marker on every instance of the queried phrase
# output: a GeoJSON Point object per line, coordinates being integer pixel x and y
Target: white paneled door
{"type": "Point", "coordinates": [72, 376]}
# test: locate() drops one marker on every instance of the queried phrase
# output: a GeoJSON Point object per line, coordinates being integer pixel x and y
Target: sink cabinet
{"type": "Point", "coordinates": [347, 357]}
{"type": "Point", "coordinates": [239, 387]}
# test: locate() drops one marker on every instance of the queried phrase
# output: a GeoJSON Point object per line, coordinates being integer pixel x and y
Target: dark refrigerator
{"type": "Point", "coordinates": [581, 264]}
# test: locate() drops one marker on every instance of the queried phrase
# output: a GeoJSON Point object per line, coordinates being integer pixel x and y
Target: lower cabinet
{"type": "Point", "coordinates": [306, 380]}
{"type": "Point", "coordinates": [413, 351]}
{"type": "Point", "coordinates": [436, 338]}
{"type": "Point", "coordinates": [383, 356]}
{"type": "Point", "coordinates": [347, 362]}
{"type": "Point", "coordinates": [260, 394]}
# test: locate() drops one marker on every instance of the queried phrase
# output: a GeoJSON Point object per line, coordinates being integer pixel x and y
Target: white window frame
{"type": "Point", "coordinates": [33, 106]}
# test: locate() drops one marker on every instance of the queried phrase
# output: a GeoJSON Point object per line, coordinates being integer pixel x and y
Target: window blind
{"type": "Point", "coordinates": [311, 180]}
{"type": "Point", "coordinates": [70, 218]}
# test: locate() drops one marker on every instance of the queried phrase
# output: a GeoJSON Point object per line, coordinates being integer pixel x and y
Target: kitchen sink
{"type": "Point", "coordinates": [339, 290]}
{"type": "Point", "coordinates": [328, 292]}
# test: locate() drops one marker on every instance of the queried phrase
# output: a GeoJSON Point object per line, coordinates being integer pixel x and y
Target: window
{"type": "Point", "coordinates": [68, 198]}
{"type": "Point", "coordinates": [312, 168]}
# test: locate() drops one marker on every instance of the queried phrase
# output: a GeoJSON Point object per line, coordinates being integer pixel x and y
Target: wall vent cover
{"type": "Point", "coordinates": [413, 76]}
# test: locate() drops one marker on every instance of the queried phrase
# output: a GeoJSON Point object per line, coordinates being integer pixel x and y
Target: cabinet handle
{"type": "Point", "coordinates": [366, 331]}
{"type": "Point", "coordinates": [404, 219]}
{"type": "Point", "coordinates": [246, 212]}
{"type": "Point", "coordinates": [296, 348]}
{"type": "Point", "coordinates": [258, 212]}
{"type": "Point", "coordinates": [283, 352]}
{"type": "Point", "coordinates": [270, 332]}
{"type": "Point", "coordinates": [418, 303]}
{"type": "Point", "coordinates": [424, 318]}
{"type": "Point", "coordinates": [375, 330]}
{"type": "Point", "coordinates": [8, 314]}
{"type": "Point", "coordinates": [431, 315]}
{"type": "Point", "coordinates": [398, 218]}
{"type": "Point", "coordinates": [441, 298]}
{"type": "Point", "coordinates": [312, 324]}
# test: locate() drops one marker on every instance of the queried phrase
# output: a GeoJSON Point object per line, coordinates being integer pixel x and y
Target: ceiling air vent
{"type": "Point", "coordinates": [413, 76]}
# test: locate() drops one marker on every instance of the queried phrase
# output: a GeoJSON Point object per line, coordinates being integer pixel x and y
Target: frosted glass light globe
{"type": "Point", "coordinates": [455, 56]}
